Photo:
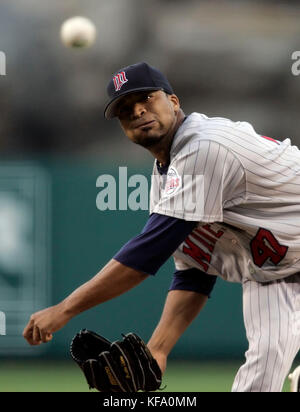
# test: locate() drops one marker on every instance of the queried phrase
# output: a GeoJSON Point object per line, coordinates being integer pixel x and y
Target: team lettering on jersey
{"type": "Point", "coordinates": [208, 238]}
{"type": "Point", "coordinates": [264, 246]}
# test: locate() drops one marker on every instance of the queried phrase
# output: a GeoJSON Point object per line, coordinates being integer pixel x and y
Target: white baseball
{"type": "Point", "coordinates": [78, 32]}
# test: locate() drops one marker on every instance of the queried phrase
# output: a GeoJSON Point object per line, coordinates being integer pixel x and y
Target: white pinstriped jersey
{"type": "Point", "coordinates": [243, 189]}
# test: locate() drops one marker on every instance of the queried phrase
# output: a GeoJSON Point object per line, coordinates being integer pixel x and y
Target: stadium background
{"type": "Point", "coordinates": [223, 58]}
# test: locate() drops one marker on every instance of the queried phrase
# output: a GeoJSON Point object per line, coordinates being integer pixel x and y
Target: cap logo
{"type": "Point", "coordinates": [119, 80]}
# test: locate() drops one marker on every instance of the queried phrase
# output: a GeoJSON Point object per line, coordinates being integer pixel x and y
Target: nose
{"type": "Point", "coordinates": [138, 110]}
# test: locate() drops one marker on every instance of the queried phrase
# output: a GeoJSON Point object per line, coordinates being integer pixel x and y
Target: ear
{"type": "Point", "coordinates": [175, 102]}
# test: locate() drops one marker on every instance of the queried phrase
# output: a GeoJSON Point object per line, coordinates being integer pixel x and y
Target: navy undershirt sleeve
{"type": "Point", "coordinates": [194, 280]}
{"type": "Point", "coordinates": [159, 239]}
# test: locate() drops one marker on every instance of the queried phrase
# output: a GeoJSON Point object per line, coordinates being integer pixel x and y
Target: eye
{"type": "Point", "coordinates": [146, 97]}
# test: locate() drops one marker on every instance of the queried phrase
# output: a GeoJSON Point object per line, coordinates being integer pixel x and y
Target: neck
{"type": "Point", "coordinates": [162, 151]}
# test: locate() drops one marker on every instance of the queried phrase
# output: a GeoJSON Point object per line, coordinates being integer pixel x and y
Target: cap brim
{"type": "Point", "coordinates": [109, 112]}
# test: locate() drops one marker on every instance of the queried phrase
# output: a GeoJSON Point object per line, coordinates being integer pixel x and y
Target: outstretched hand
{"type": "Point", "coordinates": [43, 324]}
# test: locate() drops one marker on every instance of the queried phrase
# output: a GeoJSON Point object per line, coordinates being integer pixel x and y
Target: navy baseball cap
{"type": "Point", "coordinates": [131, 79]}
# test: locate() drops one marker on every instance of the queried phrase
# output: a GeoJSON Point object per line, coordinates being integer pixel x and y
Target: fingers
{"type": "Point", "coordinates": [32, 336]}
{"type": "Point", "coordinates": [35, 335]}
{"type": "Point", "coordinates": [45, 336]}
{"type": "Point", "coordinates": [28, 329]}
{"type": "Point", "coordinates": [43, 324]}
{"type": "Point", "coordinates": [28, 332]}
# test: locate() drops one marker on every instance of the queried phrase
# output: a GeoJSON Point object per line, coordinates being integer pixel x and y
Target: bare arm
{"type": "Point", "coordinates": [180, 310]}
{"type": "Point", "coordinates": [113, 280]}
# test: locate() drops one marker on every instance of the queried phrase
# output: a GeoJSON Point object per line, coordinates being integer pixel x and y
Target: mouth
{"type": "Point", "coordinates": [145, 124]}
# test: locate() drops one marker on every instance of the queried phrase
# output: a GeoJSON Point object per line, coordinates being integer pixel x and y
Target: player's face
{"type": "Point", "coordinates": [147, 117]}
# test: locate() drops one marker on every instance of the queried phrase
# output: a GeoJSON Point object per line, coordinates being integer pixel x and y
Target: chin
{"type": "Point", "coordinates": [149, 141]}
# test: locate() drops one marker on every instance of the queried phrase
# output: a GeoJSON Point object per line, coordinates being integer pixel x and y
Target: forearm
{"type": "Point", "coordinates": [113, 280]}
{"type": "Point", "coordinates": [180, 310]}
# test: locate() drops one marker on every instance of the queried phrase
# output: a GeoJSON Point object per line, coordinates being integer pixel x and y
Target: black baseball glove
{"type": "Point", "coordinates": [125, 365]}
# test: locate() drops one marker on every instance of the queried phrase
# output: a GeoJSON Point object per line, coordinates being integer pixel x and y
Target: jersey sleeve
{"type": "Point", "coordinates": [149, 250]}
{"type": "Point", "coordinates": [202, 179]}
{"type": "Point", "coordinates": [193, 280]}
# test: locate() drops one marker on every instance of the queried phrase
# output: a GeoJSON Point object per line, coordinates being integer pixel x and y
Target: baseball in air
{"type": "Point", "coordinates": [78, 32]}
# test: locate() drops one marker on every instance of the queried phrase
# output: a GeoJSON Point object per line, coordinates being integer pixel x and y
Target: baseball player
{"type": "Point", "coordinates": [225, 201]}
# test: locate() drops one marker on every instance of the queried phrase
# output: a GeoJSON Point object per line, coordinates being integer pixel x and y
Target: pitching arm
{"type": "Point", "coordinates": [113, 280]}
{"type": "Point", "coordinates": [140, 257]}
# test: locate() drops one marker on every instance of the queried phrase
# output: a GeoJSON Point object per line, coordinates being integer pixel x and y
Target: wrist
{"type": "Point", "coordinates": [158, 348]}
{"type": "Point", "coordinates": [67, 309]}
{"type": "Point", "coordinates": [160, 357]}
